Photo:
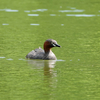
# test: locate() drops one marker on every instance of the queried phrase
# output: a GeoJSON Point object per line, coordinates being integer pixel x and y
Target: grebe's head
{"type": "Point", "coordinates": [48, 44]}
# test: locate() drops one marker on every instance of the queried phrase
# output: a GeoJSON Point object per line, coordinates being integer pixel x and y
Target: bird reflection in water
{"type": "Point", "coordinates": [50, 75]}
{"type": "Point", "coordinates": [46, 65]}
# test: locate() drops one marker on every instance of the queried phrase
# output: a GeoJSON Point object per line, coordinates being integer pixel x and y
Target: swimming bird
{"type": "Point", "coordinates": [45, 54]}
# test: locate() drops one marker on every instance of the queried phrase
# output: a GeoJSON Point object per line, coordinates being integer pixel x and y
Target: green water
{"type": "Point", "coordinates": [76, 27]}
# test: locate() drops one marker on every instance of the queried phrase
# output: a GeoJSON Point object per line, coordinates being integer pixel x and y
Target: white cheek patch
{"type": "Point", "coordinates": [54, 45]}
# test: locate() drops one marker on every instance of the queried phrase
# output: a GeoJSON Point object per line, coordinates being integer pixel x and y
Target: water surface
{"type": "Point", "coordinates": [25, 26]}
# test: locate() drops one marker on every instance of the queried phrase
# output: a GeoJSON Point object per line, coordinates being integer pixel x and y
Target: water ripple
{"type": "Point", "coordinates": [5, 24]}
{"type": "Point", "coordinates": [52, 14]}
{"type": "Point", "coordinates": [10, 59]}
{"type": "Point", "coordinates": [41, 10]}
{"type": "Point", "coordinates": [71, 11]}
{"type": "Point", "coordinates": [35, 24]}
{"type": "Point", "coordinates": [33, 14]}
{"type": "Point", "coordinates": [80, 15]}
{"type": "Point", "coordinates": [2, 57]}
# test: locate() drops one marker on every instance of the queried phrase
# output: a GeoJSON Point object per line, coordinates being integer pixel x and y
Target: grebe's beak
{"type": "Point", "coordinates": [56, 45]}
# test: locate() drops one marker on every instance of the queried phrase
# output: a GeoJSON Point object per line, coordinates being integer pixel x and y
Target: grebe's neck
{"type": "Point", "coordinates": [47, 47]}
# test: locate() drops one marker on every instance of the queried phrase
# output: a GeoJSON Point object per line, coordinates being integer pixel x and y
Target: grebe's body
{"type": "Point", "coordinates": [45, 54]}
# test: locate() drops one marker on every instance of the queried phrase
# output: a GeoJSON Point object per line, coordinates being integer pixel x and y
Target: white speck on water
{"type": "Point", "coordinates": [35, 24]}
{"type": "Point", "coordinates": [78, 59]}
{"type": "Point", "coordinates": [62, 24]}
{"type": "Point", "coordinates": [9, 59]}
{"type": "Point", "coordinates": [33, 14]}
{"type": "Point", "coordinates": [70, 60]}
{"type": "Point", "coordinates": [60, 60]}
{"type": "Point", "coordinates": [9, 10]}
{"type": "Point", "coordinates": [52, 14]}
{"type": "Point", "coordinates": [5, 24]}
{"type": "Point", "coordinates": [2, 57]}
{"type": "Point", "coordinates": [41, 10]}
{"type": "Point", "coordinates": [80, 15]}
{"type": "Point", "coordinates": [71, 10]}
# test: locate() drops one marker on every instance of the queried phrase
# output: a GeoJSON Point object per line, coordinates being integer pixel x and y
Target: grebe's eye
{"type": "Point", "coordinates": [51, 42]}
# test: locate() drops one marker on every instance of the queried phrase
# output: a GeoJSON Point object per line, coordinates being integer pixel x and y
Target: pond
{"type": "Point", "coordinates": [24, 26]}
